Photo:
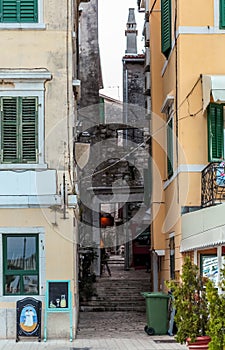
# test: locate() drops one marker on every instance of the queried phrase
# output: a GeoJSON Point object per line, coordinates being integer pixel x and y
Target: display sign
{"type": "Point", "coordinates": [58, 294]}
{"type": "Point", "coordinates": [58, 299]}
{"type": "Point", "coordinates": [28, 318]}
{"type": "Point", "coordinates": [209, 266]}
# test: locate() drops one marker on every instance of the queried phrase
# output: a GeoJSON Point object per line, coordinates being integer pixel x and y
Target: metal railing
{"type": "Point", "coordinates": [213, 184]}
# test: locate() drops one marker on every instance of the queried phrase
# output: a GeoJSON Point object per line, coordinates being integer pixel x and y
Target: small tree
{"type": "Point", "coordinates": [216, 323]}
{"type": "Point", "coordinates": [190, 303]}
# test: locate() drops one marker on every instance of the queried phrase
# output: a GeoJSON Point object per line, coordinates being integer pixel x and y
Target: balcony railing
{"type": "Point", "coordinates": [213, 184]}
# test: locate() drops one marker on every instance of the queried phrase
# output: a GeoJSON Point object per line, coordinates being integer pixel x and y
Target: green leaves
{"type": "Point", "coordinates": [216, 324]}
{"type": "Point", "coordinates": [190, 303]}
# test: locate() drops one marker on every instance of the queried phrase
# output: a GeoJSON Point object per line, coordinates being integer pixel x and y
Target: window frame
{"type": "Point", "coordinates": [18, 129]}
{"type": "Point", "coordinates": [21, 273]}
{"type": "Point", "coordinates": [27, 25]}
{"type": "Point", "coordinates": [28, 83]}
{"type": "Point", "coordinates": [170, 142]}
{"type": "Point", "coordinates": [215, 144]}
{"type": "Point", "coordinates": [166, 30]}
{"type": "Point", "coordinates": [222, 14]}
{"type": "Point", "coordinates": [40, 231]}
{"type": "Point", "coordinates": [172, 255]}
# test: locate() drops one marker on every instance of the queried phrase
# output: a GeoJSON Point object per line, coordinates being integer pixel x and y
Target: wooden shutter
{"type": "Point", "coordinates": [9, 11]}
{"type": "Point", "coordinates": [9, 130]}
{"type": "Point", "coordinates": [28, 11]}
{"type": "Point", "coordinates": [215, 132]}
{"type": "Point", "coordinates": [14, 11]}
{"type": "Point", "coordinates": [166, 27]}
{"type": "Point", "coordinates": [19, 129]}
{"type": "Point", "coordinates": [29, 139]}
{"type": "Point", "coordinates": [170, 148]}
{"type": "Point", "coordinates": [222, 14]}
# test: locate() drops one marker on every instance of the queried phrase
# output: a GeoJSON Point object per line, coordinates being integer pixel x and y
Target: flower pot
{"type": "Point", "coordinates": [201, 343]}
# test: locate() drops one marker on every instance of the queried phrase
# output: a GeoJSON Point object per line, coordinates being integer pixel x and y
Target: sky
{"type": "Point", "coordinates": [112, 18]}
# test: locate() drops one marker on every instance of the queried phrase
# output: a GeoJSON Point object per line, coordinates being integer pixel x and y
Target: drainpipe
{"type": "Point", "coordinates": [125, 120]}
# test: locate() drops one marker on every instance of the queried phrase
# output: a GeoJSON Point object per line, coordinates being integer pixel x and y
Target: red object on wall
{"type": "Point", "coordinates": [106, 221]}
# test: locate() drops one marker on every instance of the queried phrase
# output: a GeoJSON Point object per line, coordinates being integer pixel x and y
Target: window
{"type": "Point", "coordinates": [19, 11]}
{"type": "Point", "coordinates": [19, 123]}
{"type": "Point", "coordinates": [20, 264]}
{"type": "Point", "coordinates": [170, 148]}
{"type": "Point", "coordinates": [216, 129]}
{"type": "Point", "coordinates": [222, 14]}
{"type": "Point", "coordinates": [168, 109]}
{"type": "Point", "coordinates": [166, 27]}
{"type": "Point", "coordinates": [22, 105]}
{"type": "Point", "coordinates": [172, 258]}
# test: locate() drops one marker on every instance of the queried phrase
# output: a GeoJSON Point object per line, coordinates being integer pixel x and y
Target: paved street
{"type": "Point", "coordinates": [103, 331]}
{"type": "Point", "coordinates": [101, 343]}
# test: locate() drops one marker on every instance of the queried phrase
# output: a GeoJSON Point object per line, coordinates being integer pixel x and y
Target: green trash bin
{"type": "Point", "coordinates": [156, 312]}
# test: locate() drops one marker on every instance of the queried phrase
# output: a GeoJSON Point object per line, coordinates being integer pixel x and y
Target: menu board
{"type": "Point", "coordinates": [58, 299]}
{"type": "Point", "coordinates": [58, 294]}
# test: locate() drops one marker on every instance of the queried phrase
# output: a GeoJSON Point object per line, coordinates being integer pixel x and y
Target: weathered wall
{"type": "Point", "coordinates": [89, 62]}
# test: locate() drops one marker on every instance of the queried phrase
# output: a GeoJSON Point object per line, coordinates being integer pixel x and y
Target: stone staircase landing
{"type": "Point", "coordinates": [121, 291]}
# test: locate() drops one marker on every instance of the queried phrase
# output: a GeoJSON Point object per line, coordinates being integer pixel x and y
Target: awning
{"type": "Point", "coordinates": [204, 240]}
{"type": "Point", "coordinates": [213, 85]}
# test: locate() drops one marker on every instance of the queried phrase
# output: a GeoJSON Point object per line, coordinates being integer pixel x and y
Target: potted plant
{"type": "Point", "coordinates": [189, 298]}
{"type": "Point", "coordinates": [216, 324]}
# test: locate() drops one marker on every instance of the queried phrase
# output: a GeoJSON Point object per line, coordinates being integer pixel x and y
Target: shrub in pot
{"type": "Point", "coordinates": [189, 298]}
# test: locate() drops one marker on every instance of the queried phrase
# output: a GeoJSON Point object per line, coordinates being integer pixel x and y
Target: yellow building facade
{"type": "Point", "coordinates": [38, 90]}
{"type": "Point", "coordinates": [187, 40]}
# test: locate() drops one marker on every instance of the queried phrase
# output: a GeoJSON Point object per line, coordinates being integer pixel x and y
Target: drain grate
{"type": "Point", "coordinates": [165, 341]}
{"type": "Point", "coordinates": [80, 348]}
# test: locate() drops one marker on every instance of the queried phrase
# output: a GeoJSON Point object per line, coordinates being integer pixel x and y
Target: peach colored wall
{"type": "Point", "coordinates": [195, 13]}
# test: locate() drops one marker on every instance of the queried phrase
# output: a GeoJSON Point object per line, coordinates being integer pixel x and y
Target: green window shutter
{"type": "Point", "coordinates": [9, 130]}
{"type": "Point", "coordinates": [28, 11]}
{"type": "Point", "coordinates": [215, 132]}
{"type": "Point", "coordinates": [166, 27]}
{"type": "Point", "coordinates": [170, 148]}
{"type": "Point", "coordinates": [29, 139]}
{"type": "Point", "coordinates": [19, 11]}
{"type": "Point", "coordinates": [19, 129]}
{"type": "Point", "coordinates": [222, 14]}
{"type": "Point", "coordinates": [9, 11]}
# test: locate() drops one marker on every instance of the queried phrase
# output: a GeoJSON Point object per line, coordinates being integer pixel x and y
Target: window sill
{"type": "Point", "coordinates": [14, 298]}
{"type": "Point", "coordinates": [29, 26]}
{"type": "Point", "coordinates": [23, 166]}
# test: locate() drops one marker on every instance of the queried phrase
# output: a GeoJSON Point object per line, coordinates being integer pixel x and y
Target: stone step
{"type": "Point", "coordinates": [100, 308]}
{"type": "Point", "coordinates": [115, 300]}
{"type": "Point", "coordinates": [121, 292]}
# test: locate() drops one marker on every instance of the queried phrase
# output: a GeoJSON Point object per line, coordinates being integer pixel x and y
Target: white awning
{"type": "Point", "coordinates": [203, 240]}
{"type": "Point", "coordinates": [213, 85]}
{"type": "Point", "coordinates": [203, 228]}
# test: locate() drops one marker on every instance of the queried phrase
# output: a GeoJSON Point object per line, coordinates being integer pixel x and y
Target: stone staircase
{"type": "Point", "coordinates": [121, 292]}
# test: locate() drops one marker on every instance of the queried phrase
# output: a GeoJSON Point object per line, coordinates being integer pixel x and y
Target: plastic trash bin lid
{"type": "Point", "coordinates": [155, 295]}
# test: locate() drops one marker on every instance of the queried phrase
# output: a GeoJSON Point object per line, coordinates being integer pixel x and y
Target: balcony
{"type": "Point", "coordinates": [213, 184]}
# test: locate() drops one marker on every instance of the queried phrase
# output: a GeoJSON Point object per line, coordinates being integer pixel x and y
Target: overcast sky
{"type": "Point", "coordinates": [113, 16]}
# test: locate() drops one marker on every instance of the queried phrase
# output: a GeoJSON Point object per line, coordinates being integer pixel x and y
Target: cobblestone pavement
{"type": "Point", "coordinates": [111, 325]}
{"type": "Point", "coordinates": [119, 330]}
